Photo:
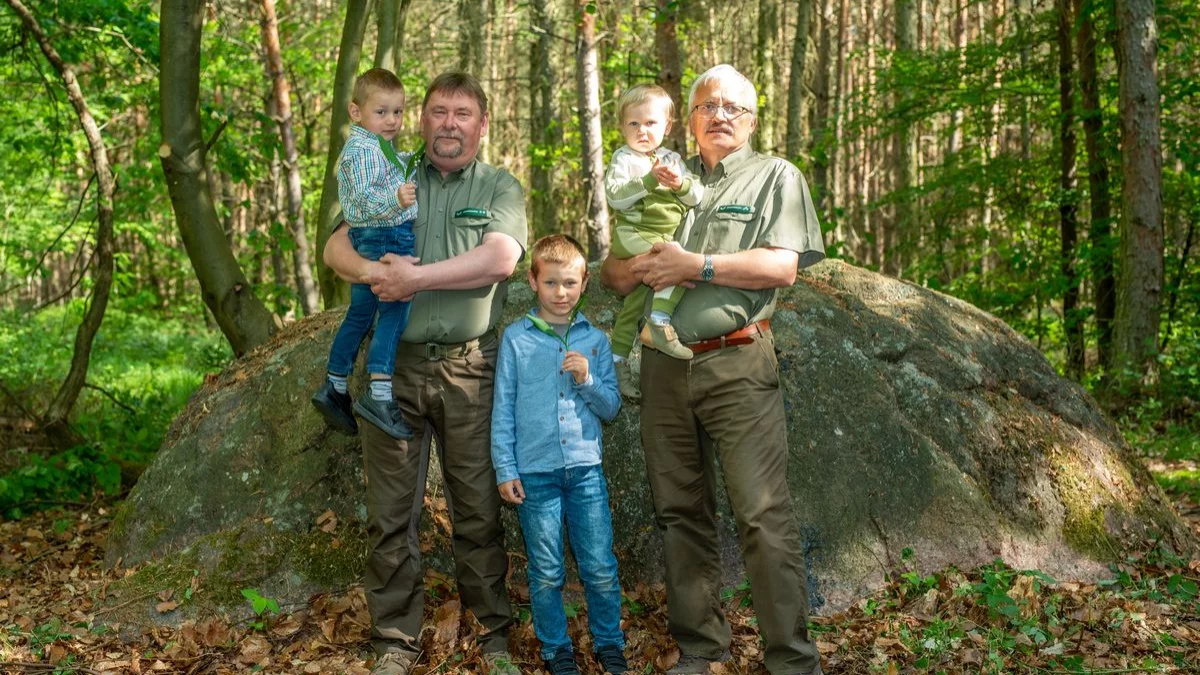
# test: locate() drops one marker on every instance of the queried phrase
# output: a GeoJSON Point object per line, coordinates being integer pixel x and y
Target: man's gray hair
{"type": "Point", "coordinates": [731, 78]}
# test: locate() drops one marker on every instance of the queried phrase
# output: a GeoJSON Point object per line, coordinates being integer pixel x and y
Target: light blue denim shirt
{"type": "Point", "coordinates": [541, 419]}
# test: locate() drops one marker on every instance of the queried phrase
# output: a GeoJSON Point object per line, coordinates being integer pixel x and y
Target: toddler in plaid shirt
{"type": "Point", "coordinates": [379, 202]}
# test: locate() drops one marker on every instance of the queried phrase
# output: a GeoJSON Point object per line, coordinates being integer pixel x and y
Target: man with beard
{"type": "Point", "coordinates": [755, 227]}
{"type": "Point", "coordinates": [470, 234]}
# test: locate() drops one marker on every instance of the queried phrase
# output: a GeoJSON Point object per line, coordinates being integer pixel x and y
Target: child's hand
{"type": "Point", "coordinates": [577, 365]}
{"type": "Point", "coordinates": [512, 491]}
{"type": "Point", "coordinates": [407, 194]}
{"type": "Point", "coordinates": [667, 175]}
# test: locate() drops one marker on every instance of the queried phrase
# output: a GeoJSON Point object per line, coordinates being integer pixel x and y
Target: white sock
{"type": "Point", "coordinates": [618, 359]}
{"type": "Point", "coordinates": [338, 382]}
{"type": "Point", "coordinates": [381, 390]}
{"type": "Point", "coordinates": [660, 317]}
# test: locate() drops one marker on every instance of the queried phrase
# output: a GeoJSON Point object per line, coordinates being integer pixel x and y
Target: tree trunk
{"type": "Point", "coordinates": [333, 290]}
{"type": "Point", "coordinates": [1100, 230]}
{"type": "Point", "coordinates": [797, 114]}
{"type": "Point", "coordinates": [670, 70]}
{"type": "Point", "coordinates": [243, 318]}
{"type": "Point", "coordinates": [281, 92]}
{"type": "Point", "coordinates": [587, 71]}
{"type": "Point", "coordinates": [470, 36]}
{"type": "Point", "coordinates": [1135, 336]}
{"type": "Point", "coordinates": [839, 105]}
{"type": "Point", "coordinates": [102, 274]}
{"type": "Point", "coordinates": [1068, 205]}
{"type": "Point", "coordinates": [899, 241]}
{"type": "Point", "coordinates": [545, 129]}
{"type": "Point", "coordinates": [764, 67]}
{"type": "Point", "coordinates": [820, 145]}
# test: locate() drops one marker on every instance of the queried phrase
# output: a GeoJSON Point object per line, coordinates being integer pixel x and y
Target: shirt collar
{"type": "Point", "coordinates": [732, 161]}
{"type": "Point", "coordinates": [435, 173]}
{"type": "Point", "coordinates": [580, 319]}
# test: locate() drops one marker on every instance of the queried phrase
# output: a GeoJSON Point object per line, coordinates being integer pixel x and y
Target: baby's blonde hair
{"type": "Point", "coordinates": [643, 93]}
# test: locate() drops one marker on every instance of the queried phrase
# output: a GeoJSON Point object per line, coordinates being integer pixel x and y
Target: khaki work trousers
{"type": "Point", "coordinates": [725, 405]}
{"type": "Point", "coordinates": [449, 399]}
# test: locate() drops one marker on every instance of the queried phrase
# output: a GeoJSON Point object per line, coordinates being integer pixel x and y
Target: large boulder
{"type": "Point", "coordinates": [916, 421]}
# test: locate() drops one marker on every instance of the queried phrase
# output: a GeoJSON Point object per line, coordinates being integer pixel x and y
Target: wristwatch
{"type": "Point", "coordinates": [706, 272]}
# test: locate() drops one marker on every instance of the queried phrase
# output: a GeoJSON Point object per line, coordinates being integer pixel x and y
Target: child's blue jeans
{"type": "Point", "coordinates": [372, 243]}
{"type": "Point", "coordinates": [580, 497]}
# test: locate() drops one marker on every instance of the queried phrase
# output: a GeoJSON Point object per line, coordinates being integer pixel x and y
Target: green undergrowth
{"type": "Point", "coordinates": [143, 368]}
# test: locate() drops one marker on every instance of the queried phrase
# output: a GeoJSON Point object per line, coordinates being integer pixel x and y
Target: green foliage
{"type": "Point", "coordinates": [143, 369]}
{"type": "Point", "coordinates": [263, 607]}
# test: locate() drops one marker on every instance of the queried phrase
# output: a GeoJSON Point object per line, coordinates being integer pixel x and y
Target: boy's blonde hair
{"type": "Point", "coordinates": [643, 93]}
{"type": "Point", "coordinates": [560, 249]}
{"type": "Point", "coordinates": [375, 79]}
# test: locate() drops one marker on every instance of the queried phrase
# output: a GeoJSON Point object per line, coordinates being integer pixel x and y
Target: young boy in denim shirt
{"type": "Point", "coordinates": [379, 203]}
{"type": "Point", "coordinates": [555, 384]}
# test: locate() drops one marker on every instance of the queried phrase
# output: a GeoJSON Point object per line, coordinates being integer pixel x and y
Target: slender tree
{"type": "Point", "coordinates": [900, 240]}
{"type": "Point", "coordinates": [281, 93]}
{"type": "Point", "coordinates": [470, 36]}
{"type": "Point", "coordinates": [545, 129]}
{"type": "Point", "coordinates": [587, 71]}
{"type": "Point", "coordinates": [244, 320]}
{"type": "Point", "coordinates": [764, 66]}
{"type": "Point", "coordinates": [1135, 336]}
{"type": "Point", "coordinates": [1100, 260]}
{"type": "Point", "coordinates": [102, 274]}
{"type": "Point", "coordinates": [670, 69]}
{"type": "Point", "coordinates": [822, 122]}
{"type": "Point", "coordinates": [333, 290]}
{"type": "Point", "coordinates": [797, 115]}
{"type": "Point", "coordinates": [1068, 198]}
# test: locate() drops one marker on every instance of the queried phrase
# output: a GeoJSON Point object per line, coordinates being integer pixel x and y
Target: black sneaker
{"type": "Point", "coordinates": [385, 415]}
{"type": "Point", "coordinates": [334, 407]}
{"type": "Point", "coordinates": [612, 659]}
{"type": "Point", "coordinates": [562, 663]}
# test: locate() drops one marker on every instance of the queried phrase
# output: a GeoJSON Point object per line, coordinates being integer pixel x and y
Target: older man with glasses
{"type": "Point", "coordinates": [754, 229]}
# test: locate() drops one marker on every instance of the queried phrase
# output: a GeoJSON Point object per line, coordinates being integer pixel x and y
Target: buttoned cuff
{"type": "Point", "coordinates": [506, 473]}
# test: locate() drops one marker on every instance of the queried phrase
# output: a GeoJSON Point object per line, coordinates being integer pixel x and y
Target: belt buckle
{"type": "Point", "coordinates": [433, 351]}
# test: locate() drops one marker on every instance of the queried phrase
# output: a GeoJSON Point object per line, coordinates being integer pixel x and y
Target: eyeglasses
{"type": "Point", "coordinates": [710, 110]}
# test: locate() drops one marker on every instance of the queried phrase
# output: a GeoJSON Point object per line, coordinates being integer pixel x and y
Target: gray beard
{"type": "Point", "coordinates": [456, 152]}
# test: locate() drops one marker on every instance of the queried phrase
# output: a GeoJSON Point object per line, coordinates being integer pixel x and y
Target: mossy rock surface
{"type": "Point", "coordinates": [915, 421]}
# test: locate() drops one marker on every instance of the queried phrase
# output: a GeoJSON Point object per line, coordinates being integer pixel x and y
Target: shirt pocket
{"type": "Point", "coordinates": [726, 231]}
{"type": "Point", "coordinates": [541, 369]}
{"type": "Point", "coordinates": [466, 232]}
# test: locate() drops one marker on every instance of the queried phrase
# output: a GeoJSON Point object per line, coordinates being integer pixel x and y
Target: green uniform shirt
{"type": "Point", "coordinates": [750, 201]}
{"type": "Point", "coordinates": [454, 214]}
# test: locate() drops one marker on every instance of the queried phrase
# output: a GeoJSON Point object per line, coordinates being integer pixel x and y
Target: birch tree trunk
{"type": "Point", "coordinates": [333, 290]}
{"type": "Point", "coordinates": [281, 92]}
{"type": "Point", "coordinates": [242, 317]}
{"type": "Point", "coordinates": [1135, 335]}
{"type": "Point", "coordinates": [587, 70]}
{"type": "Point", "coordinates": [1100, 229]}
{"type": "Point", "coordinates": [102, 275]}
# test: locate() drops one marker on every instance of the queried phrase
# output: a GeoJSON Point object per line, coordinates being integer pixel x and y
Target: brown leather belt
{"type": "Point", "coordinates": [742, 336]}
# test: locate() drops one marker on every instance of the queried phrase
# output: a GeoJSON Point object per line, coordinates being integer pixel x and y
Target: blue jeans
{"type": "Point", "coordinates": [580, 495]}
{"type": "Point", "coordinates": [372, 243]}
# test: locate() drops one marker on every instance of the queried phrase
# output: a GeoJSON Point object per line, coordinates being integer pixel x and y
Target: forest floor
{"type": "Point", "coordinates": [994, 619]}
